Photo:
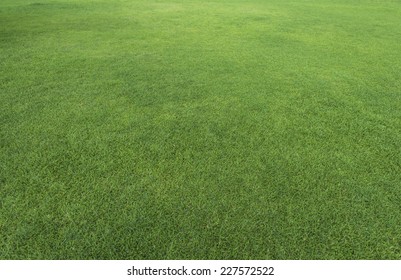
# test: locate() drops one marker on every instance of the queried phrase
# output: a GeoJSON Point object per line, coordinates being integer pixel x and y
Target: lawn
{"type": "Point", "coordinates": [200, 129]}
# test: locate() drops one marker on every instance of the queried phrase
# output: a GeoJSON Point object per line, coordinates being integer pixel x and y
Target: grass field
{"type": "Point", "coordinates": [200, 129]}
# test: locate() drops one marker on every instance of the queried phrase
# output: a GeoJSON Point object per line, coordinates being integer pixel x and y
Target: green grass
{"type": "Point", "coordinates": [200, 129]}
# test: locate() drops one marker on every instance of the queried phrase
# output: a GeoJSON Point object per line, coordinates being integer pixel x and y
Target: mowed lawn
{"type": "Point", "coordinates": [200, 129]}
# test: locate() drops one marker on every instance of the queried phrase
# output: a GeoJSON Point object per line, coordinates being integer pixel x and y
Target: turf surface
{"type": "Point", "coordinates": [199, 129]}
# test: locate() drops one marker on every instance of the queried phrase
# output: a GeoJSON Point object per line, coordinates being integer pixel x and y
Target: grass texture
{"type": "Point", "coordinates": [200, 129]}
